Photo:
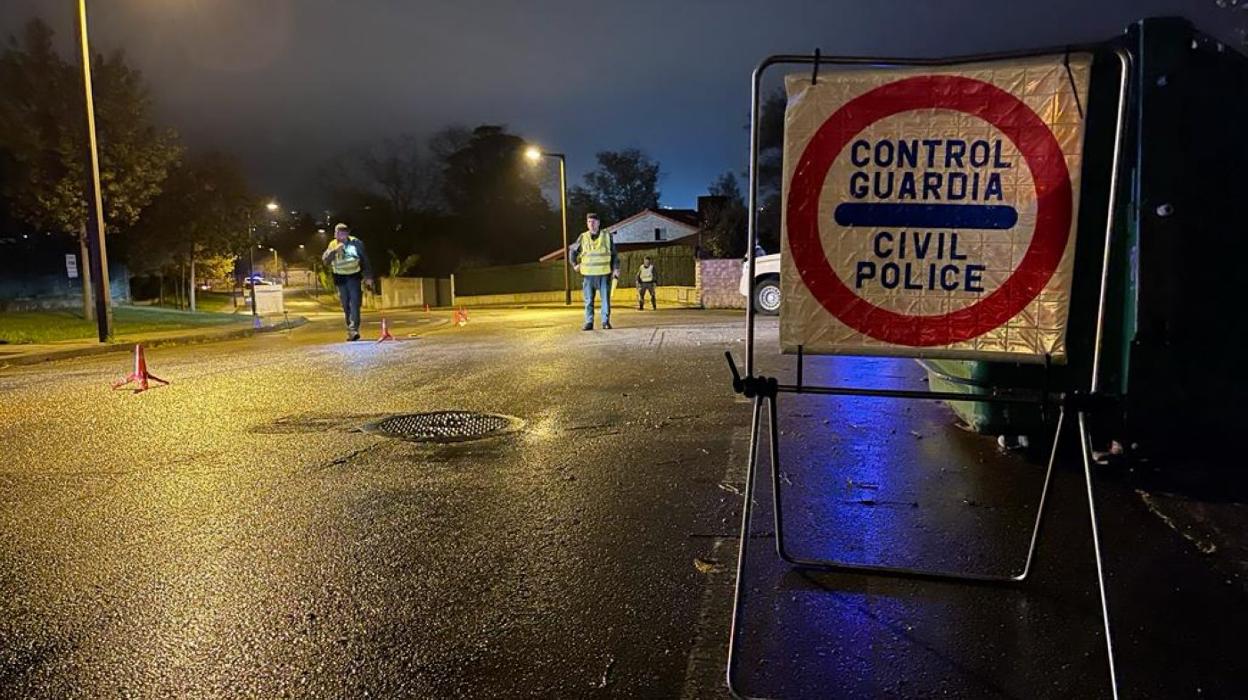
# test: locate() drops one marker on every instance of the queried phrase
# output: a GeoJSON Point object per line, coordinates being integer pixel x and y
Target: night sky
{"type": "Point", "coordinates": [285, 84]}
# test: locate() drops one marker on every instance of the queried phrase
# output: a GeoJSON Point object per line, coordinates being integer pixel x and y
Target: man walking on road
{"type": "Point", "coordinates": [647, 280]}
{"type": "Point", "coordinates": [345, 256]}
{"type": "Point", "coordinates": [594, 257]}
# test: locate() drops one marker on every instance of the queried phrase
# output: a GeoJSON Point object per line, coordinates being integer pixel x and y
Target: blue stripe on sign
{"type": "Point", "coordinates": [964, 216]}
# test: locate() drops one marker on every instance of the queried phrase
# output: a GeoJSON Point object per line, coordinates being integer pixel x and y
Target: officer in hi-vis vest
{"type": "Point", "coordinates": [349, 263]}
{"type": "Point", "coordinates": [647, 280]}
{"type": "Point", "coordinates": [594, 257]}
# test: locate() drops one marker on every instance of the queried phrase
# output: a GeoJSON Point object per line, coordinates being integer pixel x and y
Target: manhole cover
{"type": "Point", "coordinates": [445, 426]}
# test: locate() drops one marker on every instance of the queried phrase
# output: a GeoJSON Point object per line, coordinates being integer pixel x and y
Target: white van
{"type": "Point", "coordinates": [766, 283]}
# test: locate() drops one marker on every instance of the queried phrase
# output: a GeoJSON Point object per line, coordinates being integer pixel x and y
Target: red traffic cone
{"type": "Point", "coordinates": [140, 375]}
{"type": "Point", "coordinates": [461, 316]}
{"type": "Point", "coordinates": [426, 308]}
{"type": "Point", "coordinates": [385, 331]}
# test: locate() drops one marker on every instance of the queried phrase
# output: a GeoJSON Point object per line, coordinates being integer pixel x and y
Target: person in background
{"type": "Point", "coordinates": [647, 280]}
{"type": "Point", "coordinates": [345, 256]}
{"type": "Point", "coordinates": [594, 257]}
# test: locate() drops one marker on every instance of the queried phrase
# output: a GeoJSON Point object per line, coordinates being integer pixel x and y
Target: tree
{"type": "Point", "coordinates": [398, 172]}
{"type": "Point", "coordinates": [391, 191]}
{"type": "Point", "coordinates": [202, 214]}
{"type": "Point", "coordinates": [495, 200]}
{"type": "Point", "coordinates": [624, 183]}
{"type": "Point", "coordinates": [770, 169]}
{"type": "Point", "coordinates": [42, 129]}
{"type": "Point", "coordinates": [407, 178]}
{"type": "Point", "coordinates": [401, 266]}
{"type": "Point", "coordinates": [724, 234]}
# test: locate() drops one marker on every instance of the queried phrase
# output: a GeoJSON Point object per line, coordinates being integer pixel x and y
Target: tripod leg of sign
{"type": "Point", "coordinates": [1085, 447]}
{"type": "Point", "coordinates": [747, 508]}
{"type": "Point", "coordinates": [1044, 497]}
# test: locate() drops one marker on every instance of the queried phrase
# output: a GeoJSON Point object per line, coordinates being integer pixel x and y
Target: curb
{"type": "Point", "coordinates": [91, 351]}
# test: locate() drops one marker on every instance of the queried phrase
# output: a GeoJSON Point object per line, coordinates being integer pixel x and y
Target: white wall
{"type": "Point", "coordinates": [641, 229]}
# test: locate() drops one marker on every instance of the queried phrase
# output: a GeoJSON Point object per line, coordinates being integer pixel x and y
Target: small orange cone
{"type": "Point", "coordinates": [385, 331]}
{"type": "Point", "coordinates": [426, 308]}
{"type": "Point", "coordinates": [140, 375]}
{"type": "Point", "coordinates": [461, 316]}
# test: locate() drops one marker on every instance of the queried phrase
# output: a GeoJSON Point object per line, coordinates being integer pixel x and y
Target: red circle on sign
{"type": "Point", "coordinates": [988, 102]}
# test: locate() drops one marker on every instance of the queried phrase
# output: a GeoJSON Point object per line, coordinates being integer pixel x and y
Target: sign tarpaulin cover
{"type": "Point", "coordinates": [269, 299]}
{"type": "Point", "coordinates": [931, 212]}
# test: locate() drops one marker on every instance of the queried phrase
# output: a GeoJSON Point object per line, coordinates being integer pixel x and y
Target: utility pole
{"type": "Point", "coordinates": [535, 154]}
{"type": "Point", "coordinates": [563, 211]}
{"type": "Point", "coordinates": [251, 266]}
{"type": "Point", "coordinates": [97, 249]}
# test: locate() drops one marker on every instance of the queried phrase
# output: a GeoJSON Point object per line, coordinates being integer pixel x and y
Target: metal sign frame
{"type": "Point", "coordinates": [763, 389]}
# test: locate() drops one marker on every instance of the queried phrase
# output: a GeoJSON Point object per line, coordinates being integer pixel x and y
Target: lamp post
{"type": "Point", "coordinates": [277, 266]}
{"type": "Point", "coordinates": [316, 259]}
{"type": "Point", "coordinates": [534, 154]}
{"type": "Point", "coordinates": [96, 248]}
{"type": "Point", "coordinates": [251, 255]}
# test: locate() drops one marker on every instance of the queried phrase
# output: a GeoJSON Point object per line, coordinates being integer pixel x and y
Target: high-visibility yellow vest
{"type": "Point", "coordinates": [595, 254]}
{"type": "Point", "coordinates": [346, 256]}
{"type": "Point", "coordinates": [646, 274]}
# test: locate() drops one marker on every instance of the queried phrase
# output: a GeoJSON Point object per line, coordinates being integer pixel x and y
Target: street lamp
{"type": "Point", "coordinates": [534, 154]}
{"type": "Point", "coordinates": [272, 206]}
{"type": "Point", "coordinates": [316, 261]}
{"type": "Point", "coordinates": [96, 248]}
{"type": "Point", "coordinates": [277, 266]}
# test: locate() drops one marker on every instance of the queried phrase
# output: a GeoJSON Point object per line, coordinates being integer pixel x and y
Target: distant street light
{"type": "Point", "coordinates": [534, 154]}
{"type": "Point", "coordinates": [251, 264]}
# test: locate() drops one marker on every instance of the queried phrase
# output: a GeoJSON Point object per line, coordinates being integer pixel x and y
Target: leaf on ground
{"type": "Point", "coordinates": [706, 566]}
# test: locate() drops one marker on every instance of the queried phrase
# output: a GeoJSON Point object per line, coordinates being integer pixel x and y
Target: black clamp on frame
{"type": "Point", "coordinates": [751, 387]}
{"type": "Point", "coordinates": [1089, 402]}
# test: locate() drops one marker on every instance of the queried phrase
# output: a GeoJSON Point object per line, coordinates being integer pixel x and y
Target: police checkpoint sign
{"type": "Point", "coordinates": [931, 212]}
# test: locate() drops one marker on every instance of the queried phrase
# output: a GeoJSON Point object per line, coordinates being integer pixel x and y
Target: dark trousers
{"type": "Point", "coordinates": [642, 288]}
{"type": "Point", "coordinates": [350, 294]}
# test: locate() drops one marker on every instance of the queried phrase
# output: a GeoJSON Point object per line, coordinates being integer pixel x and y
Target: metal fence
{"type": "Point", "coordinates": [675, 265]}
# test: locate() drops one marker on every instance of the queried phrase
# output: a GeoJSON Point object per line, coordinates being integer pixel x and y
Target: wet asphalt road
{"type": "Point", "coordinates": [237, 534]}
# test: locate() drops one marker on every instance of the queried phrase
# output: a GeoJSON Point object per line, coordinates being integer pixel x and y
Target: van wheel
{"type": "Point", "coordinates": [767, 296]}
